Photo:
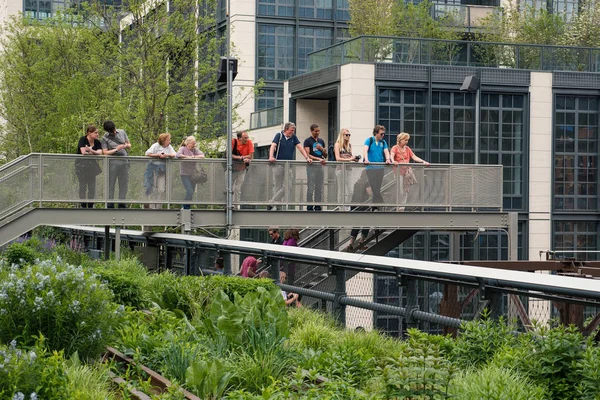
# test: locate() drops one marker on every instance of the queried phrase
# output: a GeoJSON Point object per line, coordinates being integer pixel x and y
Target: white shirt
{"type": "Point", "coordinates": [156, 148]}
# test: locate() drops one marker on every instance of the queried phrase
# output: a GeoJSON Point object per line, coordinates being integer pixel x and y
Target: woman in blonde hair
{"type": "Point", "coordinates": [343, 153]}
{"type": "Point", "coordinates": [188, 149]}
{"type": "Point", "coordinates": [402, 154]}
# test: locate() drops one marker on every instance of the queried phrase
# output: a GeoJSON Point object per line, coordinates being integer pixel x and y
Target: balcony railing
{"type": "Point", "coordinates": [467, 16]}
{"type": "Point", "coordinates": [53, 178]}
{"type": "Point", "coordinates": [267, 117]}
{"type": "Point", "coordinates": [380, 49]}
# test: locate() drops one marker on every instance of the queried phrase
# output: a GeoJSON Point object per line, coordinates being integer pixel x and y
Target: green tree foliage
{"type": "Point", "coordinates": [399, 18]}
{"type": "Point", "coordinates": [150, 69]}
{"type": "Point", "coordinates": [54, 82]}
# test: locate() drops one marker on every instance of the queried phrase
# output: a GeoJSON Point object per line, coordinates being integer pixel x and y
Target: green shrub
{"type": "Point", "coordinates": [588, 366]}
{"type": "Point", "coordinates": [422, 372]}
{"type": "Point", "coordinates": [494, 383]}
{"type": "Point", "coordinates": [88, 382]}
{"type": "Point", "coordinates": [312, 330]}
{"type": "Point", "coordinates": [547, 356]}
{"type": "Point", "coordinates": [128, 280]}
{"type": "Point", "coordinates": [253, 329]}
{"type": "Point", "coordinates": [65, 304]}
{"type": "Point", "coordinates": [479, 340]}
{"type": "Point", "coordinates": [20, 254]}
{"type": "Point", "coordinates": [192, 294]}
{"type": "Point", "coordinates": [32, 374]}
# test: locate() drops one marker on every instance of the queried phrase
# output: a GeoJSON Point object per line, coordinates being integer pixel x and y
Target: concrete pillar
{"type": "Point", "coordinates": [540, 178]}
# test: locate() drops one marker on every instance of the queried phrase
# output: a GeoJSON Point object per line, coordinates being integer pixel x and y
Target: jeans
{"type": "Point", "coordinates": [87, 188]}
{"type": "Point", "coordinates": [314, 177]}
{"type": "Point", "coordinates": [375, 176]}
{"type": "Point", "coordinates": [118, 171]}
{"type": "Point", "coordinates": [190, 187]}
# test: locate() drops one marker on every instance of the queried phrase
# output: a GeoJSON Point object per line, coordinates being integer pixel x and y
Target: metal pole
{"type": "Point", "coordinates": [117, 243]}
{"type": "Point", "coordinates": [339, 308]}
{"type": "Point", "coordinates": [107, 242]}
{"type": "Point", "coordinates": [229, 217]}
{"type": "Point", "coordinates": [513, 236]}
{"type": "Point", "coordinates": [477, 119]}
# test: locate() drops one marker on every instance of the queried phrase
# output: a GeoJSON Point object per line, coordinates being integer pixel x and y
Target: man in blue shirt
{"type": "Point", "coordinates": [314, 146]}
{"type": "Point", "coordinates": [376, 151]}
{"type": "Point", "coordinates": [283, 148]}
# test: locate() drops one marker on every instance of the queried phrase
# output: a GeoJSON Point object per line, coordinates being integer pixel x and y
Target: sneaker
{"type": "Point", "coordinates": [317, 208]}
{"type": "Point", "coordinates": [310, 208]}
{"type": "Point", "coordinates": [271, 208]}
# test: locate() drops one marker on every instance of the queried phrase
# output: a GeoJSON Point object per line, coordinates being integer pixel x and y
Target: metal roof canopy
{"type": "Point", "coordinates": [486, 278]}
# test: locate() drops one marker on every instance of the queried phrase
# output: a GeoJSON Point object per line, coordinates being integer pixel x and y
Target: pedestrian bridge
{"type": "Point", "coordinates": [44, 189]}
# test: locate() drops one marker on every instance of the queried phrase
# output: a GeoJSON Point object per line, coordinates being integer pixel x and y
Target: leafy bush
{"type": "Point", "coordinates": [128, 280]}
{"type": "Point", "coordinates": [588, 366]}
{"type": "Point", "coordinates": [494, 383]}
{"type": "Point", "coordinates": [548, 357]}
{"type": "Point", "coordinates": [254, 328]}
{"type": "Point", "coordinates": [192, 294]}
{"type": "Point", "coordinates": [312, 330]}
{"type": "Point", "coordinates": [20, 254]}
{"type": "Point", "coordinates": [479, 340]}
{"type": "Point", "coordinates": [31, 374]}
{"type": "Point", "coordinates": [65, 304]}
{"type": "Point", "coordinates": [422, 372]}
{"type": "Point", "coordinates": [88, 382]}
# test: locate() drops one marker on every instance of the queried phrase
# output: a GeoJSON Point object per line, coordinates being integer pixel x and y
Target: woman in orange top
{"type": "Point", "coordinates": [402, 154]}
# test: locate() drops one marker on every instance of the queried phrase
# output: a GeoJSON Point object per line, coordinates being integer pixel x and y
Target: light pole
{"type": "Point", "coordinates": [471, 84]}
{"type": "Point", "coordinates": [230, 69]}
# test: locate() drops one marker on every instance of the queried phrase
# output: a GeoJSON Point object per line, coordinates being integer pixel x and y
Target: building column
{"type": "Point", "coordinates": [540, 178]}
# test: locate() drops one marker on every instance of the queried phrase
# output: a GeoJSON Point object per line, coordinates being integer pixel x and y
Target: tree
{"type": "Point", "coordinates": [393, 18]}
{"type": "Point", "coordinates": [54, 82]}
{"type": "Point", "coordinates": [151, 67]}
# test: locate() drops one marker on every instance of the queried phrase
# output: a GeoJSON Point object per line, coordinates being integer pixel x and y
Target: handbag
{"type": "Point", "coordinates": [199, 176]}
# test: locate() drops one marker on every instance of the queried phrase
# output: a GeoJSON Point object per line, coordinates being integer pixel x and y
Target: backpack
{"type": "Point", "coordinates": [330, 153]}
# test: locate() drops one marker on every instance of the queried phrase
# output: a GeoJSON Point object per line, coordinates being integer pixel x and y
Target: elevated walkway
{"type": "Point", "coordinates": [43, 189]}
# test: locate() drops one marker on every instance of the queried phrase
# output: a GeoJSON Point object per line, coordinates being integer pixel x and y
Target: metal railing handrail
{"type": "Point", "coordinates": [522, 56]}
{"type": "Point", "coordinates": [39, 178]}
{"type": "Point", "coordinates": [449, 41]}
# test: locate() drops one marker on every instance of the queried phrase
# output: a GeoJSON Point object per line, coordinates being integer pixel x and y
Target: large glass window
{"type": "Point", "coordinates": [275, 52]}
{"type": "Point", "coordinates": [39, 9]}
{"type": "Point", "coordinates": [342, 12]}
{"type": "Point", "coordinates": [280, 8]}
{"type": "Point", "coordinates": [309, 40]}
{"type": "Point", "coordinates": [501, 142]}
{"type": "Point", "coordinates": [269, 98]}
{"type": "Point", "coordinates": [565, 8]}
{"type": "Point", "coordinates": [577, 238]}
{"type": "Point", "coordinates": [321, 9]}
{"type": "Point", "coordinates": [452, 128]}
{"type": "Point", "coordinates": [403, 111]}
{"type": "Point", "coordinates": [576, 153]}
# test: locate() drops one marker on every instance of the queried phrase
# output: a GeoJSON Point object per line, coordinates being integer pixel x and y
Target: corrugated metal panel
{"type": "Point", "coordinates": [314, 79]}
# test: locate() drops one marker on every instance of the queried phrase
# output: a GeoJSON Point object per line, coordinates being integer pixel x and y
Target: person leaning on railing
{"type": "Point", "coordinates": [283, 148]}
{"type": "Point", "coordinates": [155, 176]}
{"type": "Point", "coordinates": [343, 153]}
{"type": "Point", "coordinates": [376, 151]}
{"type": "Point", "coordinates": [115, 143]}
{"type": "Point", "coordinates": [87, 170]}
{"type": "Point", "coordinates": [402, 154]}
{"type": "Point", "coordinates": [189, 150]}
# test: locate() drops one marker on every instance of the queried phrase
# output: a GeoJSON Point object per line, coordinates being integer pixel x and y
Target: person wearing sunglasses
{"type": "Point", "coordinates": [376, 151]}
{"type": "Point", "coordinates": [343, 153]}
